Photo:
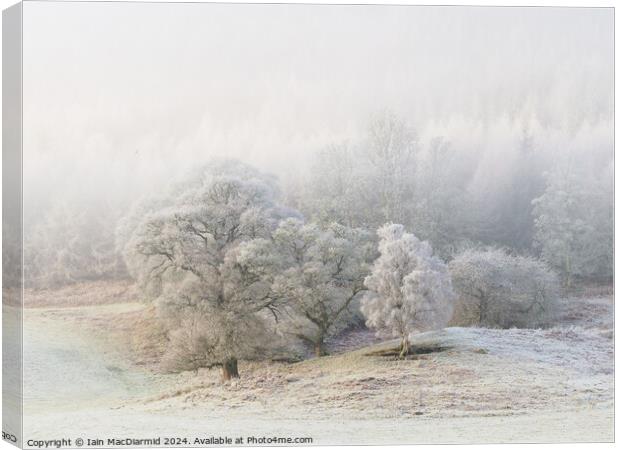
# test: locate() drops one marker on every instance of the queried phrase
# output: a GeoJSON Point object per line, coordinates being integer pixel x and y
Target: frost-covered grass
{"type": "Point", "coordinates": [541, 379]}
{"type": "Point", "coordinates": [82, 294]}
{"type": "Point", "coordinates": [482, 372]}
{"type": "Point", "coordinates": [595, 312]}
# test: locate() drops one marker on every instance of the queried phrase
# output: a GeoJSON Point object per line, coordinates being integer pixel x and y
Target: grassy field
{"type": "Point", "coordinates": [465, 384]}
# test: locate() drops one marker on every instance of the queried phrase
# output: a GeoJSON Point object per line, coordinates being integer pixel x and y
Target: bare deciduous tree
{"type": "Point", "coordinates": [574, 224]}
{"type": "Point", "coordinates": [73, 242]}
{"type": "Point", "coordinates": [188, 254]}
{"type": "Point", "coordinates": [316, 273]}
{"type": "Point", "coordinates": [321, 273]}
{"type": "Point", "coordinates": [499, 290]}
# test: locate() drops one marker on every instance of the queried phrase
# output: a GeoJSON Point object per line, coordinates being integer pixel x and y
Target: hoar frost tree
{"type": "Point", "coordinates": [321, 271]}
{"type": "Point", "coordinates": [574, 224]}
{"type": "Point", "coordinates": [388, 176]}
{"type": "Point", "coordinates": [335, 189]}
{"type": "Point", "coordinates": [73, 242]}
{"type": "Point", "coordinates": [188, 256]}
{"type": "Point", "coordinates": [496, 289]}
{"type": "Point", "coordinates": [365, 183]}
{"type": "Point", "coordinates": [409, 288]}
{"type": "Point", "coordinates": [390, 149]}
{"type": "Point", "coordinates": [439, 197]}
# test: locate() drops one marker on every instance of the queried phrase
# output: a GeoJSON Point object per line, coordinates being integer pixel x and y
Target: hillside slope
{"type": "Point", "coordinates": [463, 385]}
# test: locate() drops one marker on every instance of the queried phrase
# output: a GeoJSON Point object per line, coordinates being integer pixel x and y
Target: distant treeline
{"type": "Point", "coordinates": [532, 198]}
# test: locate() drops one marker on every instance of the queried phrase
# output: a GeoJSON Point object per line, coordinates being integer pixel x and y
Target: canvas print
{"type": "Point", "coordinates": [297, 224]}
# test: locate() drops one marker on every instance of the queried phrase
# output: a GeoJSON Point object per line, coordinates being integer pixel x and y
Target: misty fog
{"type": "Point", "coordinates": [121, 99]}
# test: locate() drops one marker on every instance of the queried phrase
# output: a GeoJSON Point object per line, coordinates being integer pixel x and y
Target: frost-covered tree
{"type": "Point", "coordinates": [496, 289]}
{"type": "Point", "coordinates": [390, 149]}
{"type": "Point", "coordinates": [320, 273]}
{"type": "Point", "coordinates": [71, 242]}
{"type": "Point", "coordinates": [187, 256]}
{"type": "Point", "coordinates": [574, 224]}
{"type": "Point", "coordinates": [367, 182]}
{"type": "Point", "coordinates": [337, 186]}
{"type": "Point", "coordinates": [438, 207]}
{"type": "Point", "coordinates": [409, 288]}
{"type": "Point", "coordinates": [205, 331]}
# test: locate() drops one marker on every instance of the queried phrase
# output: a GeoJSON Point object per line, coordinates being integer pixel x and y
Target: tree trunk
{"type": "Point", "coordinates": [229, 369]}
{"type": "Point", "coordinates": [319, 348]}
{"type": "Point", "coordinates": [482, 319]}
{"type": "Point", "coordinates": [567, 268]}
{"type": "Point", "coordinates": [404, 347]}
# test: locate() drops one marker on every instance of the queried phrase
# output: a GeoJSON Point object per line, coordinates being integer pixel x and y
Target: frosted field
{"type": "Point", "coordinates": [477, 385]}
